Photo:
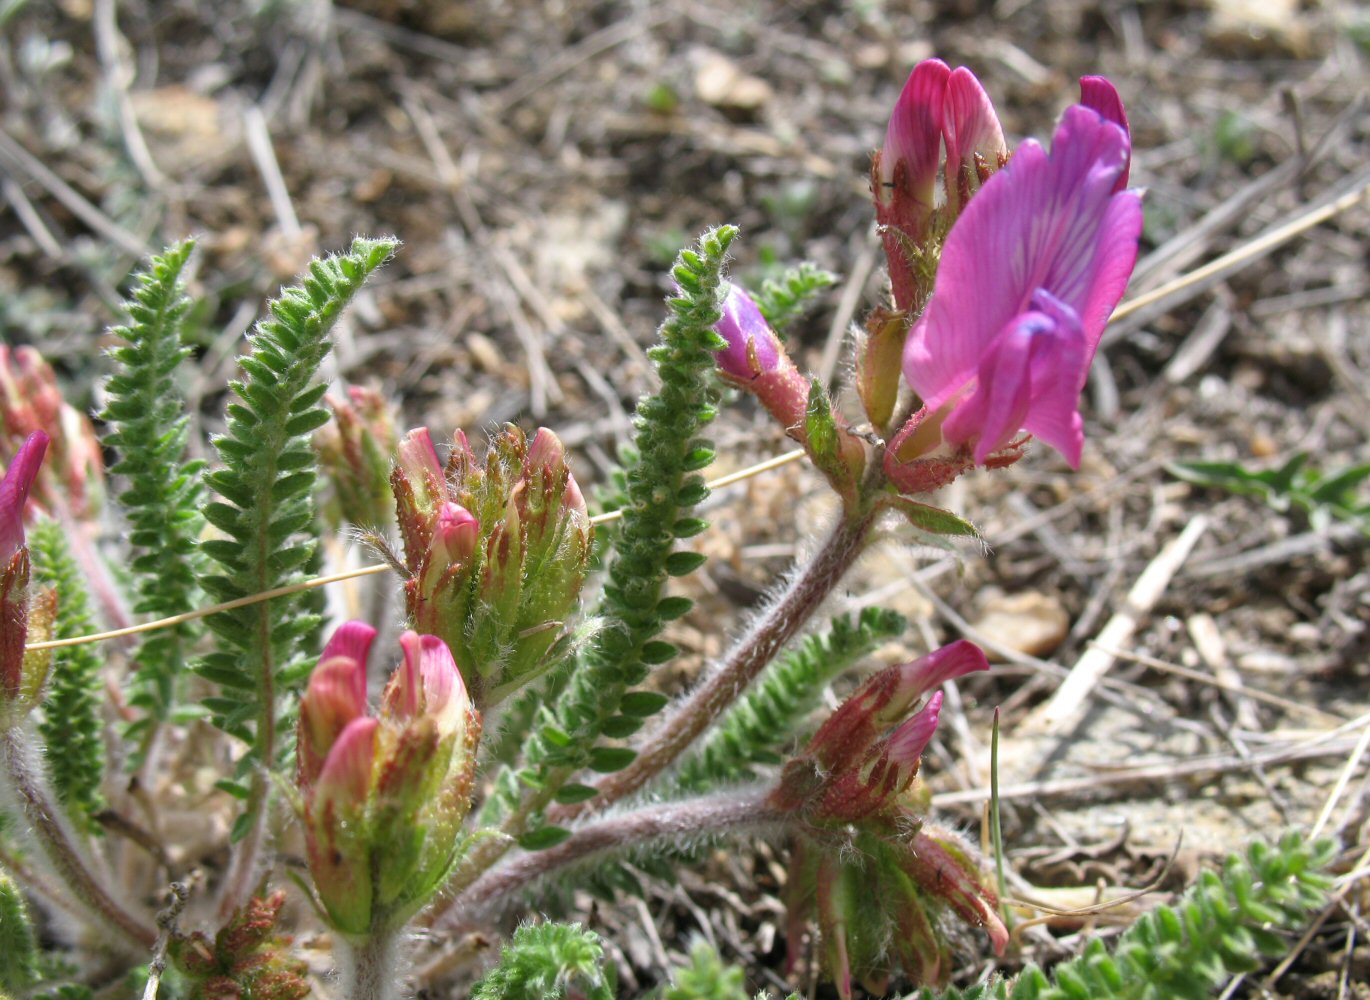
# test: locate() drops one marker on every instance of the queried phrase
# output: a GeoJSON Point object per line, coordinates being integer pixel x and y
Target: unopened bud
{"type": "Point", "coordinates": [497, 561]}
{"type": "Point", "coordinates": [383, 811]}
{"type": "Point", "coordinates": [355, 452]}
{"type": "Point", "coordinates": [30, 402]}
{"type": "Point", "coordinates": [24, 617]}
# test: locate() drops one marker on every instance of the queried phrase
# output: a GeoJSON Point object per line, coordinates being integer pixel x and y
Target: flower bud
{"type": "Point", "coordinates": [497, 552]}
{"type": "Point", "coordinates": [886, 698]}
{"type": "Point", "coordinates": [383, 797]}
{"type": "Point", "coordinates": [23, 617]}
{"type": "Point", "coordinates": [354, 453]}
{"type": "Point", "coordinates": [753, 348]}
{"type": "Point", "coordinates": [30, 402]}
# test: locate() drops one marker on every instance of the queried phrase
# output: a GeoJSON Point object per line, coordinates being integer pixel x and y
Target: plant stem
{"type": "Point", "coordinates": [242, 868]}
{"type": "Point", "coordinates": [677, 822]}
{"type": "Point", "coordinates": [683, 724]}
{"type": "Point", "coordinates": [60, 844]}
{"type": "Point", "coordinates": [369, 968]}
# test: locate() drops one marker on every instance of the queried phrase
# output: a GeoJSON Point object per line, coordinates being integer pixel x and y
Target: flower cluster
{"type": "Point", "coordinates": [1001, 286]}
{"type": "Point", "coordinates": [383, 797]}
{"type": "Point", "coordinates": [864, 859]}
{"type": "Point", "coordinates": [1025, 282]}
{"type": "Point", "coordinates": [496, 552]}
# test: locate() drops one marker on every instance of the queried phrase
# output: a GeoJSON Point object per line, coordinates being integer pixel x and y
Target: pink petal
{"type": "Point", "coordinates": [1037, 224]}
{"type": "Point", "coordinates": [546, 449]}
{"type": "Point", "coordinates": [14, 493]}
{"type": "Point", "coordinates": [345, 778]}
{"type": "Point", "coordinates": [403, 697]}
{"type": "Point", "coordinates": [932, 670]}
{"type": "Point", "coordinates": [908, 742]}
{"type": "Point", "coordinates": [351, 639]}
{"type": "Point", "coordinates": [884, 699]}
{"type": "Point", "coordinates": [445, 699]}
{"type": "Point", "coordinates": [1098, 93]}
{"type": "Point", "coordinates": [752, 346]}
{"type": "Point", "coordinates": [1030, 377]}
{"type": "Point", "coordinates": [457, 532]}
{"type": "Point", "coordinates": [418, 462]}
{"type": "Point", "coordinates": [913, 138]}
{"type": "Point", "coordinates": [971, 127]}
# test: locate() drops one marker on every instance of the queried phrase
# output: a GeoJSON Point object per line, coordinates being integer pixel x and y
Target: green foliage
{"type": "Point", "coordinates": [1321, 495]}
{"type": "Point", "coordinates": [784, 299]}
{"type": "Point", "coordinates": [1224, 925]}
{"type": "Point", "coordinates": [70, 725]}
{"type": "Point", "coordinates": [18, 953]}
{"type": "Point", "coordinates": [266, 511]}
{"type": "Point", "coordinates": [759, 726]}
{"type": "Point", "coordinates": [706, 978]}
{"type": "Point", "coordinates": [148, 428]}
{"type": "Point", "coordinates": [547, 962]}
{"type": "Point", "coordinates": [660, 490]}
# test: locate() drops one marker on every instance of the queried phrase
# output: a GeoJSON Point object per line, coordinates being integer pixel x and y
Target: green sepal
{"type": "Point", "coordinates": [933, 520]}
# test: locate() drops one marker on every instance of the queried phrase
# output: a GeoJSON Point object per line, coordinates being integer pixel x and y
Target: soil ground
{"type": "Point", "coordinates": [543, 163]}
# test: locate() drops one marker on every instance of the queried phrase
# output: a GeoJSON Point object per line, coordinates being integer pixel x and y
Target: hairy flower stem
{"type": "Point", "coordinates": [60, 844]}
{"type": "Point", "coordinates": [369, 969]}
{"type": "Point", "coordinates": [241, 879]}
{"type": "Point", "coordinates": [807, 590]}
{"type": "Point", "coordinates": [676, 822]}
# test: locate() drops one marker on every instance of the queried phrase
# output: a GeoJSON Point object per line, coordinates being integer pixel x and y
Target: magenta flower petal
{"type": "Point", "coordinates": [913, 139]}
{"type": "Point", "coordinates": [752, 345]}
{"type": "Point", "coordinates": [351, 639]}
{"type": "Point", "coordinates": [907, 743]}
{"type": "Point", "coordinates": [1048, 224]}
{"type": "Point", "coordinates": [14, 493]}
{"type": "Point", "coordinates": [1098, 93]}
{"type": "Point", "coordinates": [1030, 378]}
{"type": "Point", "coordinates": [346, 774]}
{"type": "Point", "coordinates": [971, 128]}
{"type": "Point", "coordinates": [457, 531]}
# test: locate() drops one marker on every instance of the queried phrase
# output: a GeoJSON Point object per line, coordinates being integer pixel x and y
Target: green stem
{"type": "Point", "coordinates": [369, 968]}
{"type": "Point", "coordinates": [60, 845]}
{"type": "Point", "coordinates": [674, 821]}
{"type": "Point", "coordinates": [689, 718]}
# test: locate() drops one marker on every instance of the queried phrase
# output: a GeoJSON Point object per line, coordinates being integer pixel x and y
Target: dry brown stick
{"type": "Point", "coordinates": [1067, 705]}
{"type": "Point", "coordinates": [264, 156]}
{"type": "Point", "coordinates": [1150, 773]}
{"type": "Point", "coordinates": [852, 290]}
{"type": "Point", "coordinates": [1194, 675]}
{"type": "Point", "coordinates": [32, 221]}
{"type": "Point", "coordinates": [1181, 250]}
{"type": "Point", "coordinates": [24, 161]}
{"type": "Point", "coordinates": [118, 76]}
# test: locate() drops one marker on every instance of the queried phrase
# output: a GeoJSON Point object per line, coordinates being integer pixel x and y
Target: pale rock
{"type": "Point", "coordinates": [1032, 623]}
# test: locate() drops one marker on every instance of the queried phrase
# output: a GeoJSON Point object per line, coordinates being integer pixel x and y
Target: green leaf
{"type": "Point", "coordinates": [643, 704]}
{"type": "Point", "coordinates": [606, 760]}
{"type": "Point", "coordinates": [543, 837]}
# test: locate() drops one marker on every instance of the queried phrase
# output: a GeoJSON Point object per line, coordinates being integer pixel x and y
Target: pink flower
{"type": "Point", "coordinates": [938, 106]}
{"type": "Point", "coordinates": [14, 493]}
{"type": "Point", "coordinates": [382, 796]}
{"type": "Point", "coordinates": [21, 615]}
{"type": "Point", "coordinates": [852, 768]}
{"type": "Point", "coordinates": [1028, 278]}
{"type": "Point", "coordinates": [752, 346]}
